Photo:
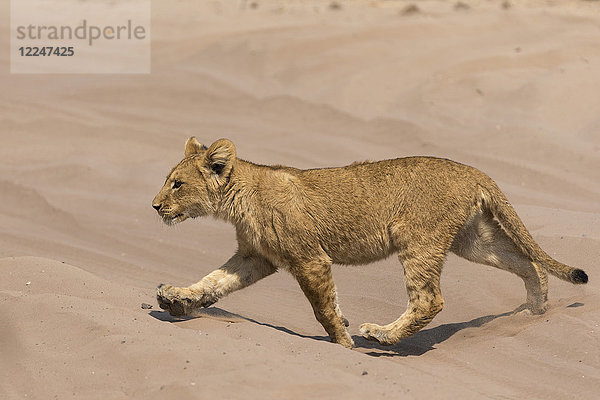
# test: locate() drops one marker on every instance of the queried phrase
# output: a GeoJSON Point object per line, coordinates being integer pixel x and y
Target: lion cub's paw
{"type": "Point", "coordinates": [169, 300]}
{"type": "Point", "coordinates": [375, 333]}
{"type": "Point", "coordinates": [345, 340]}
{"type": "Point", "coordinates": [530, 309]}
{"type": "Point", "coordinates": [181, 301]}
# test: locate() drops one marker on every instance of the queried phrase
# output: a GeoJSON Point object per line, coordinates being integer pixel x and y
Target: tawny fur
{"type": "Point", "coordinates": [305, 220]}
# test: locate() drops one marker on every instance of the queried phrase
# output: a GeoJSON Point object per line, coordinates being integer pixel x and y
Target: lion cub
{"type": "Point", "coordinates": [305, 220]}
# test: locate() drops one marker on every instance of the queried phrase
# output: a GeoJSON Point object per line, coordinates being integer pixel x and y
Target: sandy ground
{"type": "Point", "coordinates": [513, 90]}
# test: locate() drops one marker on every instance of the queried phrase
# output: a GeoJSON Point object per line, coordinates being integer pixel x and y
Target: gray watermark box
{"type": "Point", "coordinates": [75, 36]}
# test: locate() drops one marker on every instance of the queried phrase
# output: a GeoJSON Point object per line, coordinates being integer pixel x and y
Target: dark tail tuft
{"type": "Point", "coordinates": [578, 276]}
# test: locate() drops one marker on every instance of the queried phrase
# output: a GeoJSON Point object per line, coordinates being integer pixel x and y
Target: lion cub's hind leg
{"type": "Point", "coordinates": [422, 277]}
{"type": "Point", "coordinates": [483, 241]}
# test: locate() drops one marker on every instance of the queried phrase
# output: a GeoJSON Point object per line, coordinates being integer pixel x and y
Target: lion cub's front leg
{"type": "Point", "coordinates": [316, 281]}
{"type": "Point", "coordinates": [240, 271]}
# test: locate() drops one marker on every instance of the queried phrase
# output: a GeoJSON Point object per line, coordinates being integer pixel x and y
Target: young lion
{"type": "Point", "coordinates": [305, 220]}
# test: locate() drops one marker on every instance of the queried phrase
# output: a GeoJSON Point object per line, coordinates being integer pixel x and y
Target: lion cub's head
{"type": "Point", "coordinates": [193, 187]}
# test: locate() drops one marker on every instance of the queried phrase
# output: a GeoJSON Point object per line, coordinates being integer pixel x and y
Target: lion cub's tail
{"type": "Point", "coordinates": [515, 229]}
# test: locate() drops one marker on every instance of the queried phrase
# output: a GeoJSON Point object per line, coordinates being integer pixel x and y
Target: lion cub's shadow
{"type": "Point", "coordinates": [416, 345]}
{"type": "Point", "coordinates": [215, 313]}
{"type": "Point", "coordinates": [424, 340]}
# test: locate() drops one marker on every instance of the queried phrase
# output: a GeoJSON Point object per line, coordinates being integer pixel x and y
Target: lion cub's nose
{"type": "Point", "coordinates": [156, 206]}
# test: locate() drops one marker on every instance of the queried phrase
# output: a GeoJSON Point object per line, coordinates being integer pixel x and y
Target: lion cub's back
{"type": "Point", "coordinates": [392, 180]}
{"type": "Point", "coordinates": [358, 203]}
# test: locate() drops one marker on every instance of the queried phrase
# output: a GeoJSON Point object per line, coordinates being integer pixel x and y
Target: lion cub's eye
{"type": "Point", "coordinates": [177, 184]}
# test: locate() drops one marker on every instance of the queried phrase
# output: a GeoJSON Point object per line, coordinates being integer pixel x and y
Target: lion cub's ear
{"type": "Point", "coordinates": [193, 146]}
{"type": "Point", "coordinates": [219, 157]}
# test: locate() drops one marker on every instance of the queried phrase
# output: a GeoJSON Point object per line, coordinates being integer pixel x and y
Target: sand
{"type": "Point", "coordinates": [513, 90]}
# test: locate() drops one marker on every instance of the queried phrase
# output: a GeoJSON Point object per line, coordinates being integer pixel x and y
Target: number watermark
{"type": "Point", "coordinates": [74, 36]}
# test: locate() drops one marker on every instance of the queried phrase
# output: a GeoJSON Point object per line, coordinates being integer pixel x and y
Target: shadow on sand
{"type": "Point", "coordinates": [424, 340]}
{"type": "Point", "coordinates": [211, 312]}
{"type": "Point", "coordinates": [226, 316]}
{"type": "Point", "coordinates": [416, 345]}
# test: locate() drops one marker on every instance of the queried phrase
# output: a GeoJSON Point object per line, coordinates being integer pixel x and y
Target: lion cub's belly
{"type": "Point", "coordinates": [354, 248]}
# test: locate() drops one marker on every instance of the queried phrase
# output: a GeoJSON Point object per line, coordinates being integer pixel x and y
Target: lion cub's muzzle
{"type": "Point", "coordinates": [168, 216]}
